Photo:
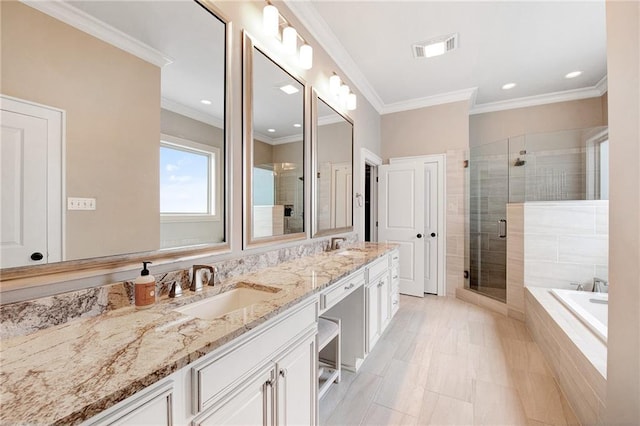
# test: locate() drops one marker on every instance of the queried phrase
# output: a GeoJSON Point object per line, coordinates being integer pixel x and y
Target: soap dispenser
{"type": "Point", "coordinates": [145, 288]}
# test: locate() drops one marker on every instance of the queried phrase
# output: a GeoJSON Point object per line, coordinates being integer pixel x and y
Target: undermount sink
{"type": "Point", "coordinates": [224, 303]}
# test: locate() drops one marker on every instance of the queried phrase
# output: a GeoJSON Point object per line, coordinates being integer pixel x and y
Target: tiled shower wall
{"type": "Point", "coordinates": [455, 176]}
{"type": "Point", "coordinates": [553, 244]}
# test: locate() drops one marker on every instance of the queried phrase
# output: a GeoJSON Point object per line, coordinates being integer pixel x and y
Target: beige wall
{"type": "Point", "coordinates": [288, 153]}
{"type": "Point", "coordinates": [623, 358]}
{"type": "Point", "coordinates": [111, 100]}
{"type": "Point", "coordinates": [334, 143]}
{"type": "Point", "coordinates": [494, 126]}
{"type": "Point", "coordinates": [424, 131]}
{"type": "Point", "coordinates": [178, 125]}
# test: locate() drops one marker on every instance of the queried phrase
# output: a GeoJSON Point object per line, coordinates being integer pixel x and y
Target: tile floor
{"type": "Point", "coordinates": [443, 361]}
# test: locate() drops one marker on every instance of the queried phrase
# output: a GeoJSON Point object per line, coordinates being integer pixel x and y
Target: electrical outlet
{"type": "Point", "coordinates": [75, 203]}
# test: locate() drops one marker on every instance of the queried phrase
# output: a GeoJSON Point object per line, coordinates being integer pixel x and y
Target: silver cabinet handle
{"type": "Point", "coordinates": [395, 277]}
{"type": "Point", "coordinates": [269, 383]}
{"type": "Point", "coordinates": [502, 228]}
{"type": "Point", "coordinates": [350, 286]}
{"type": "Point", "coordinates": [380, 284]}
{"type": "Point", "coordinates": [283, 372]}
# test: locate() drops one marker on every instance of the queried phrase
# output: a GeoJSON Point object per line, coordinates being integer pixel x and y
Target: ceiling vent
{"type": "Point", "coordinates": [436, 46]}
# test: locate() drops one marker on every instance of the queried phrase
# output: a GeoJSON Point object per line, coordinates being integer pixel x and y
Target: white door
{"type": "Point", "coordinates": [31, 185]}
{"type": "Point", "coordinates": [401, 220]}
{"type": "Point", "coordinates": [341, 184]}
{"type": "Point", "coordinates": [23, 159]}
{"type": "Point", "coordinates": [431, 228]}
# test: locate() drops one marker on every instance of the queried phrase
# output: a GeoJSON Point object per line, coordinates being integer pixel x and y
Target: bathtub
{"type": "Point", "coordinates": [590, 308]}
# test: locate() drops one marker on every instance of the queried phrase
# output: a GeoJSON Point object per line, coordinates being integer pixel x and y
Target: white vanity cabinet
{"type": "Point", "coordinates": [267, 376]}
{"type": "Point", "coordinates": [394, 273]}
{"type": "Point", "coordinates": [280, 393]}
{"type": "Point", "coordinates": [151, 406]}
{"type": "Point", "coordinates": [382, 301]}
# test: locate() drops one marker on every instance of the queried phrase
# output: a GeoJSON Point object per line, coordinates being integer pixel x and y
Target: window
{"type": "Point", "coordinates": [188, 178]}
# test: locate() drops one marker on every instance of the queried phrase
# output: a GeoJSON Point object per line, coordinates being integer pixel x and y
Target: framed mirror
{"type": "Point", "coordinates": [332, 147]}
{"type": "Point", "coordinates": [274, 150]}
{"type": "Point", "coordinates": [140, 91]}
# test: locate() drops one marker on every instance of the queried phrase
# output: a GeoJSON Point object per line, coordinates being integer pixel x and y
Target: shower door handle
{"type": "Point", "coordinates": [502, 228]}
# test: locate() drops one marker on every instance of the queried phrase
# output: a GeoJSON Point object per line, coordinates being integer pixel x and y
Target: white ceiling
{"type": "Point", "coordinates": [533, 44]}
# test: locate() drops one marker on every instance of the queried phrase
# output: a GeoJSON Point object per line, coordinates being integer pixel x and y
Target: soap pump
{"type": "Point", "coordinates": [145, 288]}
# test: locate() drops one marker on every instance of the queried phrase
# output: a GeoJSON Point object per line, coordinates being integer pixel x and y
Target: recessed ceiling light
{"type": "Point", "coordinates": [508, 86]}
{"type": "Point", "coordinates": [289, 89]}
{"type": "Point", "coordinates": [271, 130]}
{"type": "Point", "coordinates": [573, 74]}
{"type": "Point", "coordinates": [297, 125]}
{"type": "Point", "coordinates": [205, 101]}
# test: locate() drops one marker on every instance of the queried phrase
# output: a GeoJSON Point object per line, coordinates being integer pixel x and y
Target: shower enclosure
{"type": "Point", "coordinates": [567, 165]}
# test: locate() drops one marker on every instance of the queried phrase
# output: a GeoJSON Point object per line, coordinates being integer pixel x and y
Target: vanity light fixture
{"type": "Point", "coordinates": [272, 21]}
{"type": "Point", "coordinates": [341, 91]}
{"type": "Point", "coordinates": [352, 101]}
{"type": "Point", "coordinates": [289, 89]}
{"type": "Point", "coordinates": [306, 56]}
{"type": "Point", "coordinates": [205, 101]}
{"type": "Point", "coordinates": [573, 74]}
{"type": "Point", "coordinates": [290, 40]}
{"type": "Point", "coordinates": [344, 91]}
{"type": "Point", "coordinates": [508, 86]}
{"type": "Point", "coordinates": [334, 84]}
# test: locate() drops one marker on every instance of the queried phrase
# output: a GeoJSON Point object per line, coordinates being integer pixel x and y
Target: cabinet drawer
{"type": "Point", "coordinates": [395, 258]}
{"type": "Point", "coordinates": [378, 267]}
{"type": "Point", "coordinates": [340, 290]}
{"type": "Point", "coordinates": [152, 406]}
{"type": "Point", "coordinates": [218, 375]}
{"type": "Point", "coordinates": [395, 277]}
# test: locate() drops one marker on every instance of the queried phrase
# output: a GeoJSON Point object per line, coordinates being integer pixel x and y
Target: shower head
{"type": "Point", "coordinates": [519, 163]}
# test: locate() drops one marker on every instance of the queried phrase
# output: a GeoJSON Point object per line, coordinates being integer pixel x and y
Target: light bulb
{"type": "Point", "coordinates": [344, 91]}
{"type": "Point", "coordinates": [270, 20]}
{"type": "Point", "coordinates": [306, 56]}
{"type": "Point", "coordinates": [352, 101]}
{"type": "Point", "coordinates": [334, 84]}
{"type": "Point", "coordinates": [290, 40]}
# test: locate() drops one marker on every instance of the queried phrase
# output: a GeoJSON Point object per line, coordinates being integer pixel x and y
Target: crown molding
{"type": "Point", "coordinates": [306, 13]}
{"type": "Point", "coordinates": [548, 98]}
{"type": "Point", "coordinates": [444, 98]}
{"type": "Point", "coordinates": [192, 113]}
{"type": "Point", "coordinates": [75, 17]}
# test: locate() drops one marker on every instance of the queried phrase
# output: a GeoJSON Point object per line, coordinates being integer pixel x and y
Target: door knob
{"type": "Point", "coordinates": [419, 235]}
{"type": "Point", "coordinates": [433, 234]}
{"type": "Point", "coordinates": [37, 256]}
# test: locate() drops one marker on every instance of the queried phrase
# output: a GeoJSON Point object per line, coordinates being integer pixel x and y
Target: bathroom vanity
{"type": "Point", "coordinates": [253, 362]}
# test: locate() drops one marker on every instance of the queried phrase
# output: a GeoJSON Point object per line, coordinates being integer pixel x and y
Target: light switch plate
{"type": "Point", "coordinates": [75, 203]}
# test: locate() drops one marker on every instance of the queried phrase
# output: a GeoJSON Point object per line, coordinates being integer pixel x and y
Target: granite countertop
{"type": "Point", "coordinates": [71, 372]}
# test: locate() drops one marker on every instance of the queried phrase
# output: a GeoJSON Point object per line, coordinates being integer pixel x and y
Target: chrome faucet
{"type": "Point", "coordinates": [197, 276]}
{"type": "Point", "coordinates": [600, 285]}
{"type": "Point", "coordinates": [336, 242]}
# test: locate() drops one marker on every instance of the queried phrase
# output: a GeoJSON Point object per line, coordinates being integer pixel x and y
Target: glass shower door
{"type": "Point", "coordinates": [488, 198]}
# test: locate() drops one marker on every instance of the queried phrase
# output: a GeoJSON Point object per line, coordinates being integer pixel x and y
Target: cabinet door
{"type": "Point", "coordinates": [384, 297]}
{"type": "Point", "coordinates": [297, 384]}
{"type": "Point", "coordinates": [252, 404]}
{"type": "Point", "coordinates": [373, 315]}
